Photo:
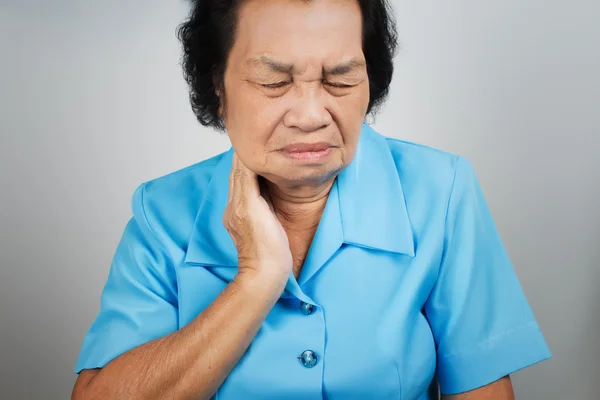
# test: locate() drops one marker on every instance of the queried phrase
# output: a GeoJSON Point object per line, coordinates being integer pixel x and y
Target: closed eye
{"type": "Point", "coordinates": [275, 85]}
{"type": "Point", "coordinates": [338, 85]}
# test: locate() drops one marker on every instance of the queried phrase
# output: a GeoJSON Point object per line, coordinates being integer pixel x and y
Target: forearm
{"type": "Point", "coordinates": [193, 362]}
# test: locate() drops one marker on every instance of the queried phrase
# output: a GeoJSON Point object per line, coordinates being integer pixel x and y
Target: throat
{"type": "Point", "coordinates": [300, 220]}
{"type": "Point", "coordinates": [299, 246]}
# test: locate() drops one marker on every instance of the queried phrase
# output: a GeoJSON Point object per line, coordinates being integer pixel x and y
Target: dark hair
{"type": "Point", "coordinates": [207, 37]}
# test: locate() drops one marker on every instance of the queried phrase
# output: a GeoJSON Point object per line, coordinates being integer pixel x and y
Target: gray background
{"type": "Point", "coordinates": [92, 103]}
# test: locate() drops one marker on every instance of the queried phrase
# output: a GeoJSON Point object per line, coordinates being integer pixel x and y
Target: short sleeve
{"type": "Point", "coordinates": [483, 326]}
{"type": "Point", "coordinates": [139, 300]}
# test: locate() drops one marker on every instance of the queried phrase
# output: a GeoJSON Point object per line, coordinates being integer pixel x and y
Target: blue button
{"type": "Point", "coordinates": [307, 308]}
{"type": "Point", "coordinates": [308, 358]}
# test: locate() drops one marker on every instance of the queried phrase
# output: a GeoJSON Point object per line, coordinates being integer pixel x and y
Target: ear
{"type": "Point", "coordinates": [216, 84]}
{"type": "Point", "coordinates": [218, 80]}
{"type": "Point", "coordinates": [220, 110]}
{"type": "Point", "coordinates": [219, 93]}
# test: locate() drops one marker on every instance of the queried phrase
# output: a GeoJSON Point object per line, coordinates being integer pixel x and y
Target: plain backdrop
{"type": "Point", "coordinates": [92, 103]}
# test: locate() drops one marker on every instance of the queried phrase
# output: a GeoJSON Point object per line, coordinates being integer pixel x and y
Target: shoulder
{"type": "Point", "coordinates": [429, 177]}
{"type": "Point", "coordinates": [414, 159]}
{"type": "Point", "coordinates": [427, 168]}
{"type": "Point", "coordinates": [182, 184]}
{"type": "Point", "coordinates": [169, 203]}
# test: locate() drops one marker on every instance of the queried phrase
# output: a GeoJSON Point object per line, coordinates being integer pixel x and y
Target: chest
{"type": "Point", "coordinates": [363, 330]}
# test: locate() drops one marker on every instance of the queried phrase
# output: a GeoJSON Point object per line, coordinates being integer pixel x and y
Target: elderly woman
{"type": "Point", "coordinates": [316, 258]}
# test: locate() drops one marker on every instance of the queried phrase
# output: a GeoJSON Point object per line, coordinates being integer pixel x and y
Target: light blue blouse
{"type": "Point", "coordinates": [405, 285]}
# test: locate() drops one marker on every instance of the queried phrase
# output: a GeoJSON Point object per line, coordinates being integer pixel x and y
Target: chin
{"type": "Point", "coordinates": [306, 173]}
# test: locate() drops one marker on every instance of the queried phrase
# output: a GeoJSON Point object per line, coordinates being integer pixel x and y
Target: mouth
{"type": "Point", "coordinates": [308, 151]}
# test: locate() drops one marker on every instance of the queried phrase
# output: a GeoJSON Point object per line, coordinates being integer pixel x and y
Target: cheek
{"type": "Point", "coordinates": [351, 135]}
{"type": "Point", "coordinates": [363, 99]}
{"type": "Point", "coordinates": [250, 125]}
{"type": "Point", "coordinates": [250, 110]}
{"type": "Point", "coordinates": [351, 112]}
{"type": "Point", "coordinates": [354, 106]}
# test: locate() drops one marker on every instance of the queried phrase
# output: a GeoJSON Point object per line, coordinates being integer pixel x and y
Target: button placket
{"type": "Point", "coordinates": [307, 308]}
{"type": "Point", "coordinates": [308, 358]}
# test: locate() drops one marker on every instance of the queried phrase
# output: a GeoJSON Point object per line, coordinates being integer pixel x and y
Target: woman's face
{"type": "Point", "coordinates": [296, 88]}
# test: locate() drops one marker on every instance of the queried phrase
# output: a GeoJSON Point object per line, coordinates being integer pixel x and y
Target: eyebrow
{"type": "Point", "coordinates": [344, 67]}
{"type": "Point", "coordinates": [286, 68]}
{"type": "Point", "coordinates": [276, 66]}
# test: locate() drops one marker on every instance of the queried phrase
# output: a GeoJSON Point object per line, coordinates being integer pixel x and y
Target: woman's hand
{"type": "Point", "coordinates": [200, 355]}
{"type": "Point", "coordinates": [261, 241]}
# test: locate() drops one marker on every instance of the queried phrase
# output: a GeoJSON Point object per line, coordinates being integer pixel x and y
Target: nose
{"type": "Point", "coordinates": [308, 112]}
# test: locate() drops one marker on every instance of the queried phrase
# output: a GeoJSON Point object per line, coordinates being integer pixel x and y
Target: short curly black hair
{"type": "Point", "coordinates": [207, 36]}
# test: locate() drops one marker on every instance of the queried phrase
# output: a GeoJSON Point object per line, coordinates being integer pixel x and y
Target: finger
{"type": "Point", "coordinates": [236, 180]}
{"type": "Point", "coordinates": [247, 180]}
{"type": "Point", "coordinates": [231, 172]}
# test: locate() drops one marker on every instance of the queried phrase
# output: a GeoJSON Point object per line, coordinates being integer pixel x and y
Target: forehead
{"type": "Point", "coordinates": [299, 32]}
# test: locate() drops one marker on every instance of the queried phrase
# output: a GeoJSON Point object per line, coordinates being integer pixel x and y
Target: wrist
{"type": "Point", "coordinates": [260, 285]}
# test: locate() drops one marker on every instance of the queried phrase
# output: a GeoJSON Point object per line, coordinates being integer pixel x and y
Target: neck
{"type": "Point", "coordinates": [299, 208]}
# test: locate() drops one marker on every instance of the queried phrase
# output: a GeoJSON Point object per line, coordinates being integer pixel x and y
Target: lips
{"type": "Point", "coordinates": [311, 153]}
{"type": "Point", "coordinates": [306, 147]}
